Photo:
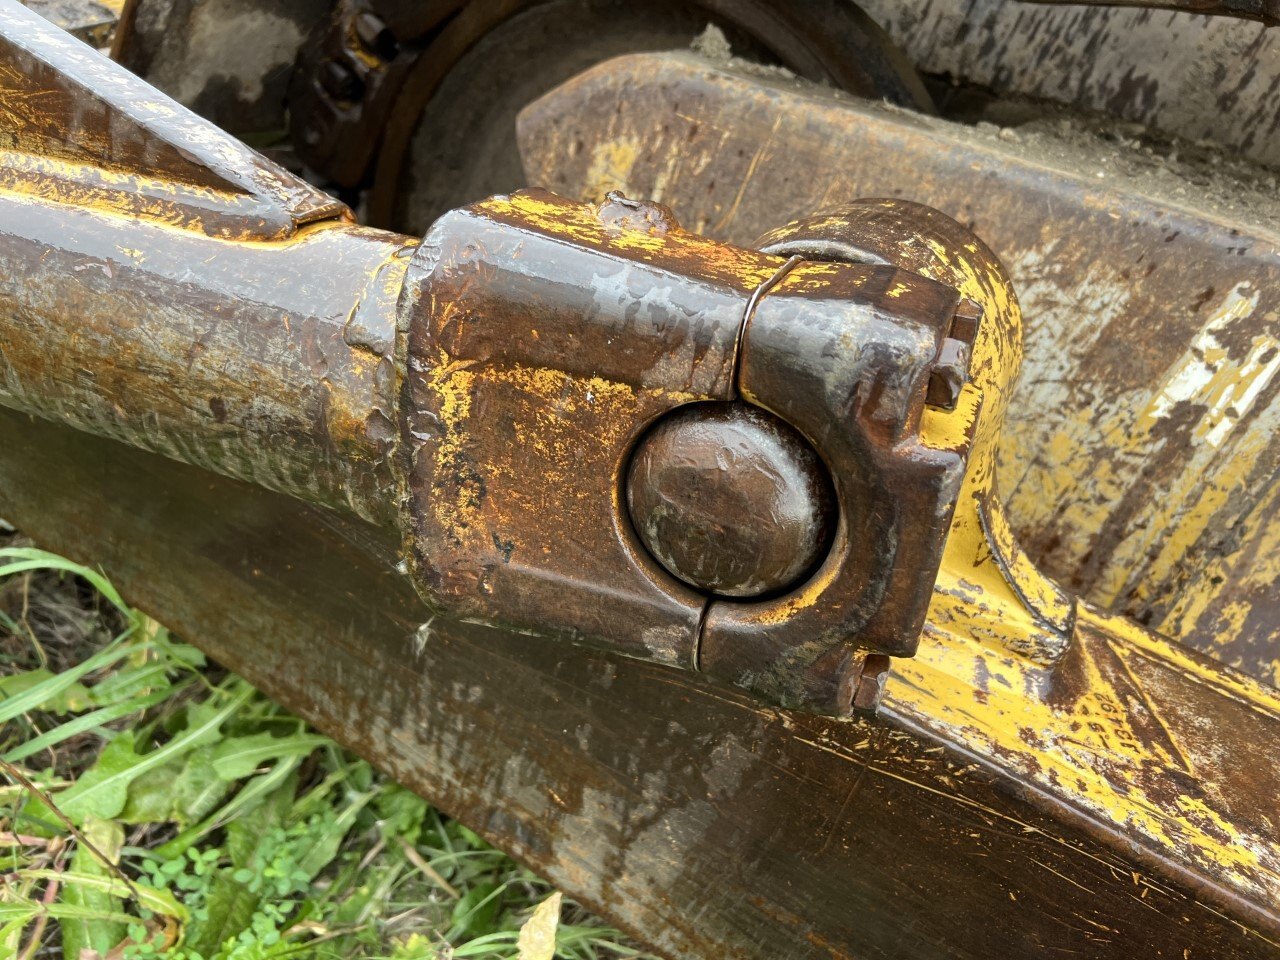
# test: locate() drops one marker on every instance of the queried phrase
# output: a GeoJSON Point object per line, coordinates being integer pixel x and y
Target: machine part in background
{"type": "Point", "coordinates": [1191, 76]}
{"type": "Point", "coordinates": [215, 186]}
{"type": "Point", "coordinates": [1140, 469]}
{"type": "Point", "coordinates": [228, 60]}
{"type": "Point", "coordinates": [427, 107]}
{"type": "Point", "coordinates": [92, 21]}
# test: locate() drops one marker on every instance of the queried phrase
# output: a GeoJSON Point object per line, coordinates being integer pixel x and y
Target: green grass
{"type": "Point", "coordinates": [153, 804]}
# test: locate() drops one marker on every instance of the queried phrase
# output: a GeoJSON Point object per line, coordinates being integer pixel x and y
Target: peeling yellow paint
{"type": "Point", "coordinates": [670, 245]}
{"type": "Point", "coordinates": [1015, 670]}
{"type": "Point", "coordinates": [1102, 743]}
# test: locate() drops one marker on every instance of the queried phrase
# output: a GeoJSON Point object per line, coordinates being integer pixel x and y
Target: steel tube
{"type": "Point", "coordinates": [265, 361]}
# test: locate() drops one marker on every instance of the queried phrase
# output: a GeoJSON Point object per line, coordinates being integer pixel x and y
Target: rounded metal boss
{"type": "Point", "coordinates": [731, 500]}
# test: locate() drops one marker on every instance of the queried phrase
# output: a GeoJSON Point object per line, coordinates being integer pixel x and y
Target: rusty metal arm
{"type": "Point", "coordinates": [165, 286]}
{"type": "Point", "coordinates": [266, 361]}
{"type": "Point", "coordinates": [200, 303]}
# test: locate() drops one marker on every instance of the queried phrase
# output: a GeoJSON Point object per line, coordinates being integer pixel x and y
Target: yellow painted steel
{"type": "Point", "coordinates": [1076, 703]}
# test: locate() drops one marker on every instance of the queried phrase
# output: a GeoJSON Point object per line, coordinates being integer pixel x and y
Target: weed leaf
{"type": "Point", "coordinates": [230, 909]}
{"type": "Point", "coordinates": [48, 690]}
{"type": "Point", "coordinates": [22, 559]}
{"type": "Point", "coordinates": [101, 791]}
{"type": "Point", "coordinates": [104, 789]}
{"type": "Point", "coordinates": [67, 698]}
{"type": "Point", "coordinates": [239, 757]}
{"type": "Point", "coordinates": [81, 889]}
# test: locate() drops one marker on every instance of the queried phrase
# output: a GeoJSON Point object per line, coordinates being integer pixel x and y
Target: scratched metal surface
{"type": "Point", "coordinates": [131, 151]}
{"type": "Point", "coordinates": [1140, 454]}
{"type": "Point", "coordinates": [1191, 75]}
{"type": "Point", "coordinates": [109, 193]}
{"type": "Point", "coordinates": [707, 824]}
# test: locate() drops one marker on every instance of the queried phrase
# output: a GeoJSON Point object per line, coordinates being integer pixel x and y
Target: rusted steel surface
{"type": "Point", "coordinates": [167, 286]}
{"type": "Point", "coordinates": [1139, 468]}
{"type": "Point", "coordinates": [703, 822]}
{"type": "Point", "coordinates": [541, 339]}
{"type": "Point", "coordinates": [272, 363]}
{"type": "Point", "coordinates": [370, 103]}
{"type": "Point", "coordinates": [1198, 77]}
{"type": "Point", "coordinates": [857, 384]}
{"type": "Point", "coordinates": [135, 152]}
{"type": "Point", "coordinates": [544, 338]}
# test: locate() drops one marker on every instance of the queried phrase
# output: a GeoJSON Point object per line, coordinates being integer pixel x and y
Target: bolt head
{"type": "Point", "coordinates": [731, 500]}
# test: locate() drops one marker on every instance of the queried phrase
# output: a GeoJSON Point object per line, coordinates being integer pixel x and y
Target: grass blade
{"type": "Point", "coordinates": [82, 724]}
{"type": "Point", "coordinates": [33, 697]}
{"type": "Point", "coordinates": [157, 901]}
{"type": "Point", "coordinates": [30, 558]}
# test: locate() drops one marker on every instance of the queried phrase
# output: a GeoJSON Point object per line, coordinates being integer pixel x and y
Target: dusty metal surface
{"type": "Point", "coordinates": [1198, 77]}
{"type": "Point", "coordinates": [273, 364]}
{"type": "Point", "coordinates": [1139, 468]}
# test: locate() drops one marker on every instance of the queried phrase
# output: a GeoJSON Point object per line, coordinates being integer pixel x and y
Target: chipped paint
{"type": "Point", "coordinates": [611, 163]}
{"type": "Point", "coordinates": [1209, 378]}
{"type": "Point", "coordinates": [1095, 731]}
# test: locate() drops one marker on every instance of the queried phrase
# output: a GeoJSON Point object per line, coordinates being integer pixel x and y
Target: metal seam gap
{"type": "Point", "coordinates": [748, 311]}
